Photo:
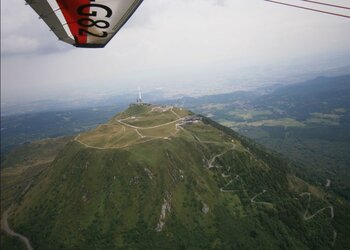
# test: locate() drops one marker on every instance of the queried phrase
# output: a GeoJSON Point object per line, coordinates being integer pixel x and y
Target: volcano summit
{"type": "Point", "coordinates": [161, 177]}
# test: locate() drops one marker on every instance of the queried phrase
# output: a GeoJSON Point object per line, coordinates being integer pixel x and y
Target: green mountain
{"type": "Point", "coordinates": [160, 177]}
{"type": "Point", "coordinates": [309, 122]}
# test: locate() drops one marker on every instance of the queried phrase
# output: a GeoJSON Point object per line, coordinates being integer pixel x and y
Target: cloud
{"type": "Point", "coordinates": [22, 32]}
{"type": "Point", "coordinates": [17, 44]}
{"type": "Point", "coordinates": [166, 42]}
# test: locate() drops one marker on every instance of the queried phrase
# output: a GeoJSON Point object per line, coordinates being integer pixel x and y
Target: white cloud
{"type": "Point", "coordinates": [165, 42]}
{"type": "Point", "coordinates": [19, 44]}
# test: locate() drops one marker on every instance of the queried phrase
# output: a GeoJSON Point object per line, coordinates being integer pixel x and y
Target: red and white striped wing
{"type": "Point", "coordinates": [92, 23]}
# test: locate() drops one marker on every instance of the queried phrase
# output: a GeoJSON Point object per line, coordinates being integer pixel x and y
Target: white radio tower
{"type": "Point", "coordinates": [139, 100]}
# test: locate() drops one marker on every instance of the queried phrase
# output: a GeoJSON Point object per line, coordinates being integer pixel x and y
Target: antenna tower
{"type": "Point", "coordinates": [139, 99]}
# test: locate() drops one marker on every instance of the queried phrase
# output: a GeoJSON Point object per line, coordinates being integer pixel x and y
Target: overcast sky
{"type": "Point", "coordinates": [166, 42]}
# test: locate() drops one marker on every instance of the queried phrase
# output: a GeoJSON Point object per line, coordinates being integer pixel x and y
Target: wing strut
{"type": "Point", "coordinates": [47, 14]}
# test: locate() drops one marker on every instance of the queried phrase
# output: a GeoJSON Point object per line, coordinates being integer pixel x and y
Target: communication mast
{"type": "Point", "coordinates": [139, 100]}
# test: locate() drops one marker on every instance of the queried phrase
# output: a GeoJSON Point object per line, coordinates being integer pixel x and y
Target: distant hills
{"type": "Point", "coordinates": [308, 122]}
{"type": "Point", "coordinates": [161, 177]}
{"type": "Point", "coordinates": [25, 128]}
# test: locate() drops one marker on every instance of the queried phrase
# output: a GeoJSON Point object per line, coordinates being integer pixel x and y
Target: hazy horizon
{"type": "Point", "coordinates": [184, 45]}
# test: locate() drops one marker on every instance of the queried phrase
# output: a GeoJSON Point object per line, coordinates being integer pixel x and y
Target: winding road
{"type": "Point", "coordinates": [231, 190]}
{"type": "Point", "coordinates": [156, 126]}
{"type": "Point", "coordinates": [309, 217]}
{"type": "Point", "coordinates": [120, 147]}
{"type": "Point", "coordinates": [306, 217]}
{"type": "Point", "coordinates": [142, 136]}
{"type": "Point", "coordinates": [5, 227]}
{"type": "Point", "coordinates": [211, 161]}
{"type": "Point", "coordinates": [252, 200]}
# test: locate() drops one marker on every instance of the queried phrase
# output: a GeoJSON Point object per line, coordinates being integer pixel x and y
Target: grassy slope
{"type": "Point", "coordinates": [104, 199]}
{"type": "Point", "coordinates": [19, 169]}
{"type": "Point", "coordinates": [24, 164]}
{"type": "Point", "coordinates": [308, 122]}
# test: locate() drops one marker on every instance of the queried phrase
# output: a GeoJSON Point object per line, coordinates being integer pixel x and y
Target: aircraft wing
{"type": "Point", "coordinates": [91, 23]}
